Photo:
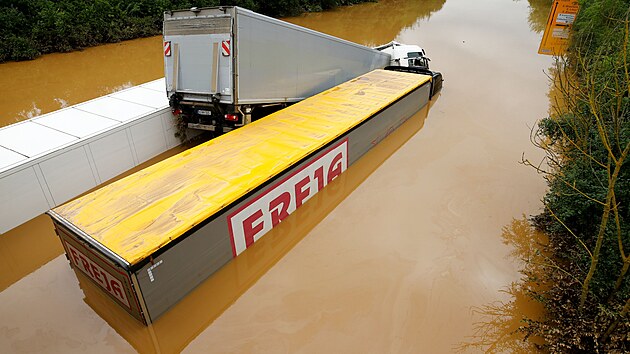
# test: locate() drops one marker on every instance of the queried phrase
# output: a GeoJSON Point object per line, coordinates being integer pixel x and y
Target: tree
{"type": "Point", "coordinates": [587, 142]}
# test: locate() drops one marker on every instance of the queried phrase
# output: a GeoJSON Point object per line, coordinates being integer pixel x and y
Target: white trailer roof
{"type": "Point", "coordinates": [52, 158]}
{"type": "Point", "coordinates": [114, 108]}
{"type": "Point", "coordinates": [157, 85]}
{"type": "Point", "coordinates": [76, 122]}
{"type": "Point", "coordinates": [32, 139]}
{"type": "Point", "coordinates": [144, 96]}
{"type": "Point", "coordinates": [8, 157]}
{"type": "Point", "coordinates": [39, 136]}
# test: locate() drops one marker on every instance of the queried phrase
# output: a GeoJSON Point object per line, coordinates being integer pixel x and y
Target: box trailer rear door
{"type": "Point", "coordinates": [198, 54]}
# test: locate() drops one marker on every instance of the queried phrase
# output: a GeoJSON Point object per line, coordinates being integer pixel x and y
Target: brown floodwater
{"type": "Point", "coordinates": [55, 81]}
{"type": "Point", "coordinates": [399, 254]}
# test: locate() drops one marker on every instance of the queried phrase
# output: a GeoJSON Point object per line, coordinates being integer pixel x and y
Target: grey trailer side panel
{"type": "Point", "coordinates": [378, 128]}
{"type": "Point", "coordinates": [177, 271]}
{"type": "Point", "coordinates": [281, 62]}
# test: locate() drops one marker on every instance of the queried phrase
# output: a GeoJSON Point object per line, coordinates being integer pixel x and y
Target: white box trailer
{"type": "Point", "coordinates": [225, 65]}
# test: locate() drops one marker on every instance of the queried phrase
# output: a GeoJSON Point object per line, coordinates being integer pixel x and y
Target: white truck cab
{"type": "Point", "coordinates": [405, 54]}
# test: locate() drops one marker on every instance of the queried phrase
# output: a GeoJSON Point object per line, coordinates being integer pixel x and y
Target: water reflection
{"type": "Point", "coordinates": [499, 325]}
{"type": "Point", "coordinates": [26, 248]}
{"type": "Point", "coordinates": [359, 23]}
{"type": "Point", "coordinates": [175, 329]}
{"type": "Point", "coordinates": [538, 13]}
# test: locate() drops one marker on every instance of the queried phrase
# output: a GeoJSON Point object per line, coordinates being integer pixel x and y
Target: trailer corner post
{"type": "Point", "coordinates": [138, 292]}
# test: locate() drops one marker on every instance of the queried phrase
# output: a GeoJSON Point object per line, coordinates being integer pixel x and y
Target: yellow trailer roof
{"type": "Point", "coordinates": [139, 214]}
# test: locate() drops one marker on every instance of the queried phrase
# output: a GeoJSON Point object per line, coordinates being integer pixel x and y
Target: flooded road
{"type": "Point", "coordinates": [393, 256]}
{"type": "Point", "coordinates": [55, 81]}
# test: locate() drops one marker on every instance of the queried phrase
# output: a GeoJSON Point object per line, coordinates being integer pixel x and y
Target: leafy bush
{"type": "Point", "coordinates": [29, 28]}
{"type": "Point", "coordinates": [587, 216]}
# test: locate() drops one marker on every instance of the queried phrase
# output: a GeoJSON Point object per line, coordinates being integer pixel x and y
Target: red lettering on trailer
{"type": "Point", "coordinates": [249, 229]}
{"type": "Point", "coordinates": [319, 176]}
{"type": "Point", "coordinates": [250, 222]}
{"type": "Point", "coordinates": [336, 168]}
{"type": "Point", "coordinates": [279, 208]}
{"type": "Point", "coordinates": [98, 274]}
{"type": "Point", "coordinates": [301, 192]}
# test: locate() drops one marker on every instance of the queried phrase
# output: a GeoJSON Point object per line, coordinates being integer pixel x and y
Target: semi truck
{"type": "Point", "coordinates": [408, 55]}
{"type": "Point", "coordinates": [227, 66]}
{"type": "Point", "coordinates": [412, 59]}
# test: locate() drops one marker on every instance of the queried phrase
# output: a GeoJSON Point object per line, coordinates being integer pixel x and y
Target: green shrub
{"type": "Point", "coordinates": [29, 28]}
{"type": "Point", "coordinates": [587, 215]}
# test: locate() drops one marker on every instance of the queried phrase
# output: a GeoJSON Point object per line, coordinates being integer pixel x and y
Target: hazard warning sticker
{"type": "Point", "coordinates": [225, 48]}
{"type": "Point", "coordinates": [167, 49]}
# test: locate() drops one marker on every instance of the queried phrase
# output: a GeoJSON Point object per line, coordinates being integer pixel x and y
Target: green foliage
{"type": "Point", "coordinates": [587, 213]}
{"type": "Point", "coordinates": [281, 8]}
{"type": "Point", "coordinates": [538, 13]}
{"type": "Point", "coordinates": [597, 26]}
{"type": "Point", "coordinates": [29, 28]}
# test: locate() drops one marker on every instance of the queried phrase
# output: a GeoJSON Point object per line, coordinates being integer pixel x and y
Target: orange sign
{"type": "Point", "coordinates": [556, 37]}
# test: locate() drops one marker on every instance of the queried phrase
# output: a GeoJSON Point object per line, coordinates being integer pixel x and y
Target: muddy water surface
{"type": "Point", "coordinates": [391, 257]}
{"type": "Point", "coordinates": [54, 81]}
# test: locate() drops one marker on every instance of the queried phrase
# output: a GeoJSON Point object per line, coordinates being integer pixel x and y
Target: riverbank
{"type": "Point", "coordinates": [584, 267]}
{"type": "Point", "coordinates": [63, 26]}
